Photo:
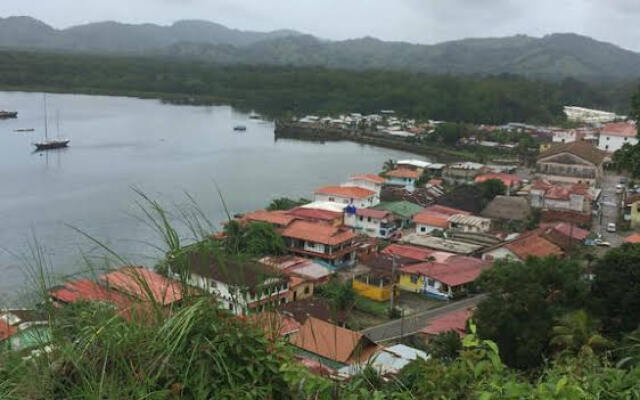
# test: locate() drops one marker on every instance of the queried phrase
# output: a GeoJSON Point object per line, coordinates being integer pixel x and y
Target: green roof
{"type": "Point", "coordinates": [403, 208]}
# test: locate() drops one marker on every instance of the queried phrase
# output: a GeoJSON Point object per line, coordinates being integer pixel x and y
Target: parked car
{"type": "Point", "coordinates": [619, 189]}
{"type": "Point", "coordinates": [611, 227]}
{"type": "Point", "coordinates": [600, 242]}
{"type": "Point", "coordinates": [624, 180]}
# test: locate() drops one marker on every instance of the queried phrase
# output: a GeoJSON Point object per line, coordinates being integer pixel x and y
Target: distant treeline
{"type": "Point", "coordinates": [281, 91]}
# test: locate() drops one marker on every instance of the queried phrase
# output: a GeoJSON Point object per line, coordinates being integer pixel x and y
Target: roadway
{"type": "Point", "coordinates": [609, 210]}
{"type": "Point", "coordinates": [412, 324]}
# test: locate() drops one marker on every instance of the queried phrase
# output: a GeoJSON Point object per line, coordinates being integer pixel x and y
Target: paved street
{"type": "Point", "coordinates": [610, 202]}
{"type": "Point", "coordinates": [412, 324]}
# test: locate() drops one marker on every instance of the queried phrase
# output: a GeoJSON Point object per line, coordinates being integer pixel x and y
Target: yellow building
{"type": "Point", "coordinates": [373, 287]}
{"type": "Point", "coordinates": [545, 147]}
{"type": "Point", "coordinates": [299, 288]}
{"type": "Point", "coordinates": [632, 211]}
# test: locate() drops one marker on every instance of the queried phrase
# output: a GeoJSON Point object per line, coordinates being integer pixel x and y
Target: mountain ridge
{"type": "Point", "coordinates": [553, 56]}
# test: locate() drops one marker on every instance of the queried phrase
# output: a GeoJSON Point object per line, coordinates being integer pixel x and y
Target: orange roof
{"type": "Point", "coordinates": [416, 253]}
{"type": "Point", "coordinates": [368, 177]}
{"type": "Point", "coordinates": [333, 342]}
{"type": "Point", "coordinates": [455, 271]}
{"type": "Point", "coordinates": [274, 323]}
{"type": "Point", "coordinates": [295, 280]}
{"type": "Point", "coordinates": [623, 129]}
{"type": "Point", "coordinates": [314, 214]}
{"type": "Point", "coordinates": [353, 192]}
{"type": "Point", "coordinates": [318, 232]}
{"type": "Point", "coordinates": [635, 238]}
{"type": "Point", "coordinates": [446, 210]}
{"type": "Point", "coordinates": [507, 179]}
{"type": "Point", "coordinates": [533, 245]}
{"type": "Point", "coordinates": [6, 330]}
{"type": "Point", "coordinates": [453, 321]}
{"type": "Point", "coordinates": [281, 218]}
{"type": "Point", "coordinates": [403, 173]}
{"type": "Point", "coordinates": [432, 219]}
{"type": "Point", "coordinates": [142, 283]}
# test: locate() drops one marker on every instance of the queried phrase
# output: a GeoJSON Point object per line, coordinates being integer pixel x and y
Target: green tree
{"type": "Point", "coordinates": [491, 188]}
{"type": "Point", "coordinates": [577, 333]}
{"type": "Point", "coordinates": [635, 105]}
{"type": "Point", "coordinates": [389, 165]}
{"type": "Point", "coordinates": [615, 289]}
{"type": "Point", "coordinates": [285, 203]}
{"type": "Point", "coordinates": [445, 346]}
{"type": "Point", "coordinates": [524, 300]}
{"type": "Point", "coordinates": [255, 239]}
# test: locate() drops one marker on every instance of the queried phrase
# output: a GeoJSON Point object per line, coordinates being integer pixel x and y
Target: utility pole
{"type": "Point", "coordinates": [393, 284]}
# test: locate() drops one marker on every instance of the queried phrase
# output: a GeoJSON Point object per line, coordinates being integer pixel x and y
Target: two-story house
{"type": "Point", "coordinates": [616, 134]}
{"type": "Point", "coordinates": [368, 181]}
{"type": "Point", "coordinates": [576, 162]}
{"type": "Point", "coordinates": [358, 196]}
{"type": "Point", "coordinates": [371, 222]}
{"type": "Point", "coordinates": [333, 245]}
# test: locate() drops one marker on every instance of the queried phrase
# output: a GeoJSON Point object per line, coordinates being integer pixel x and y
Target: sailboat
{"type": "Point", "coordinates": [50, 144]}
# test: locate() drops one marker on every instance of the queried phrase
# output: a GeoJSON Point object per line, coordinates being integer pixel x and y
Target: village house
{"type": "Point", "coordinates": [334, 245]}
{"type": "Point", "coordinates": [631, 211]}
{"type": "Point", "coordinates": [415, 165]}
{"type": "Point", "coordinates": [402, 210]}
{"type": "Point", "coordinates": [564, 235]}
{"type": "Point", "coordinates": [279, 219]}
{"type": "Point", "coordinates": [445, 280]}
{"type": "Point", "coordinates": [462, 172]}
{"type": "Point", "coordinates": [274, 324]}
{"type": "Point", "coordinates": [530, 244]}
{"type": "Point", "coordinates": [567, 136]}
{"type": "Point", "coordinates": [455, 321]}
{"type": "Point", "coordinates": [305, 268]}
{"type": "Point", "coordinates": [616, 134]}
{"type": "Point", "coordinates": [442, 244]}
{"type": "Point", "coordinates": [240, 287]}
{"type": "Point", "coordinates": [377, 282]}
{"type": "Point", "coordinates": [359, 197]}
{"type": "Point", "coordinates": [403, 177]}
{"type": "Point", "coordinates": [387, 361]}
{"type": "Point", "coordinates": [371, 222]}
{"type": "Point", "coordinates": [144, 285]}
{"type": "Point", "coordinates": [577, 162]}
{"type": "Point", "coordinates": [22, 329]}
{"type": "Point", "coordinates": [331, 345]}
{"type": "Point", "coordinates": [577, 198]}
{"type": "Point", "coordinates": [368, 181]}
{"type": "Point", "coordinates": [416, 253]}
{"type": "Point", "coordinates": [435, 217]}
{"type": "Point", "coordinates": [333, 218]}
{"type": "Point", "coordinates": [316, 307]}
{"type": "Point", "coordinates": [469, 224]}
{"type": "Point", "coordinates": [633, 238]}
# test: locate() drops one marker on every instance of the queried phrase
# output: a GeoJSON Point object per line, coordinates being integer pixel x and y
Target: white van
{"type": "Point", "coordinates": [611, 227]}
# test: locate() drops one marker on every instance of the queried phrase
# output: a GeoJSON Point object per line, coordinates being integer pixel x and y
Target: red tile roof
{"type": "Point", "coordinates": [455, 271]}
{"type": "Point", "coordinates": [353, 192]}
{"type": "Point", "coordinates": [570, 230]}
{"type": "Point", "coordinates": [281, 218]}
{"type": "Point", "coordinates": [403, 173]}
{"type": "Point", "coordinates": [368, 177]}
{"type": "Point", "coordinates": [446, 210]}
{"type": "Point", "coordinates": [533, 245]}
{"type": "Point", "coordinates": [333, 342]}
{"type": "Point", "coordinates": [416, 253]}
{"type": "Point", "coordinates": [6, 330]}
{"type": "Point", "coordinates": [295, 280]}
{"type": "Point", "coordinates": [370, 212]}
{"type": "Point", "coordinates": [622, 129]}
{"type": "Point", "coordinates": [318, 233]}
{"type": "Point", "coordinates": [635, 238]}
{"type": "Point", "coordinates": [453, 321]}
{"type": "Point", "coordinates": [431, 219]}
{"type": "Point", "coordinates": [314, 214]}
{"type": "Point", "coordinates": [143, 283]}
{"type": "Point", "coordinates": [275, 324]}
{"type": "Point", "coordinates": [507, 179]}
{"type": "Point", "coordinates": [88, 290]}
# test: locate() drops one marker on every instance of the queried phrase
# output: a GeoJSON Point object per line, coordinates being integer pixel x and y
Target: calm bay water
{"type": "Point", "coordinates": [164, 150]}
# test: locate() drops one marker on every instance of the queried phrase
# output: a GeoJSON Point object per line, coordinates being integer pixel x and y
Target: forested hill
{"type": "Point", "coordinates": [551, 57]}
{"type": "Point", "coordinates": [279, 91]}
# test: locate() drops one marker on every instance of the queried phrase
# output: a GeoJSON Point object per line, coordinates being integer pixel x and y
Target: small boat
{"type": "Point", "coordinates": [8, 114]}
{"type": "Point", "coordinates": [24, 130]}
{"type": "Point", "coordinates": [255, 115]}
{"type": "Point", "coordinates": [50, 144]}
{"type": "Point", "coordinates": [240, 128]}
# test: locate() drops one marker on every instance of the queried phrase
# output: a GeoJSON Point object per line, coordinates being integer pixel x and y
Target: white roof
{"type": "Point", "coordinates": [325, 205]}
{"type": "Point", "coordinates": [437, 166]}
{"type": "Point", "coordinates": [312, 271]}
{"type": "Point", "coordinates": [389, 360]}
{"type": "Point", "coordinates": [415, 163]}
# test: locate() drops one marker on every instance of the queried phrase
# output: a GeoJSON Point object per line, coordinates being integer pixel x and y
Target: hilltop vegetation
{"type": "Point", "coordinates": [281, 91]}
{"type": "Point", "coordinates": [551, 57]}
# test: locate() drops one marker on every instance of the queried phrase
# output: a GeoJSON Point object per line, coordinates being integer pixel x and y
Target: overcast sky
{"type": "Point", "coordinates": [417, 21]}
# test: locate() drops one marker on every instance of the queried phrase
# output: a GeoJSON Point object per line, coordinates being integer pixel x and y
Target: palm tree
{"type": "Point", "coordinates": [389, 165]}
{"type": "Point", "coordinates": [630, 350]}
{"type": "Point", "coordinates": [577, 333]}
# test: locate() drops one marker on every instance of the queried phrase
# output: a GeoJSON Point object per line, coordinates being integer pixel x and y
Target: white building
{"type": "Point", "coordinates": [240, 288]}
{"type": "Point", "coordinates": [615, 135]}
{"type": "Point", "coordinates": [412, 164]}
{"type": "Point", "coordinates": [367, 181]}
{"type": "Point", "coordinates": [469, 223]}
{"type": "Point", "coordinates": [581, 114]}
{"type": "Point", "coordinates": [358, 196]}
{"type": "Point", "coordinates": [373, 223]}
{"type": "Point", "coordinates": [567, 136]}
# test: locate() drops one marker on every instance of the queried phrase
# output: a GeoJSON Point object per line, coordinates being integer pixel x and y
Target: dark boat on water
{"type": "Point", "coordinates": [50, 144]}
{"type": "Point", "coordinates": [24, 130]}
{"type": "Point", "coordinates": [240, 128]}
{"type": "Point", "coordinates": [8, 114]}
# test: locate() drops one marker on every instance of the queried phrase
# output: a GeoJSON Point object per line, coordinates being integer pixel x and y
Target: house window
{"type": "Point", "coordinates": [332, 199]}
{"type": "Point", "coordinates": [283, 300]}
{"type": "Point", "coordinates": [361, 218]}
{"type": "Point", "coordinates": [606, 147]}
{"type": "Point", "coordinates": [368, 219]}
{"type": "Point", "coordinates": [231, 306]}
{"type": "Point", "coordinates": [423, 229]}
{"type": "Point", "coordinates": [607, 137]}
{"type": "Point", "coordinates": [306, 290]}
{"type": "Point", "coordinates": [431, 282]}
{"type": "Point", "coordinates": [414, 279]}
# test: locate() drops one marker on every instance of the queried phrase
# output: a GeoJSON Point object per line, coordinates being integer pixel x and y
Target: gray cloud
{"type": "Point", "coordinates": [417, 21]}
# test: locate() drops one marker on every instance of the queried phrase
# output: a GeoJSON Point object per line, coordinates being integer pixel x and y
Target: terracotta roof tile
{"type": "Point", "coordinates": [508, 180]}
{"type": "Point", "coordinates": [582, 149]}
{"type": "Point", "coordinates": [372, 213]}
{"type": "Point", "coordinates": [622, 129]}
{"type": "Point", "coordinates": [333, 342]}
{"type": "Point", "coordinates": [354, 192]}
{"type": "Point", "coordinates": [455, 271]}
{"type": "Point", "coordinates": [432, 219]}
{"type": "Point", "coordinates": [635, 238]}
{"type": "Point", "coordinates": [533, 245]}
{"type": "Point", "coordinates": [446, 210]}
{"type": "Point", "coordinates": [416, 253]}
{"type": "Point", "coordinates": [281, 218]}
{"type": "Point", "coordinates": [87, 290]}
{"type": "Point", "coordinates": [318, 233]}
{"type": "Point", "coordinates": [403, 173]}
{"type": "Point", "coordinates": [314, 214]}
{"type": "Point", "coordinates": [142, 283]}
{"type": "Point", "coordinates": [6, 330]}
{"type": "Point", "coordinates": [368, 177]}
{"type": "Point", "coordinates": [453, 321]}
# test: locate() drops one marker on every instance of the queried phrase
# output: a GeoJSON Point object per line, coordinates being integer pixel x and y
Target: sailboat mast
{"type": "Point", "coordinates": [46, 128]}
